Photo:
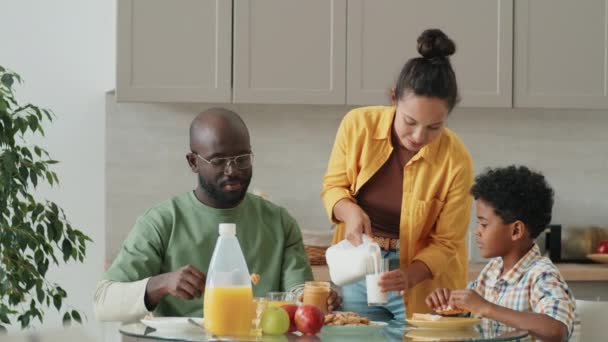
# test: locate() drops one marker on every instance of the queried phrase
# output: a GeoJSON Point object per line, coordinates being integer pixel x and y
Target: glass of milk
{"type": "Point", "coordinates": [375, 297]}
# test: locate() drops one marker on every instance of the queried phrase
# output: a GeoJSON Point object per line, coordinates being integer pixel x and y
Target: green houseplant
{"type": "Point", "coordinates": [33, 233]}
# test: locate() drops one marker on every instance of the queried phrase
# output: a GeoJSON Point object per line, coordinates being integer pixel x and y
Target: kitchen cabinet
{"type": "Point", "coordinates": [289, 51]}
{"type": "Point", "coordinates": [382, 37]}
{"type": "Point", "coordinates": [561, 59]}
{"type": "Point", "coordinates": [510, 53]}
{"type": "Point", "coordinates": [174, 51]}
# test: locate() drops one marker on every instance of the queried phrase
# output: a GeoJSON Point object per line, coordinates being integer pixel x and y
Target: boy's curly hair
{"type": "Point", "coordinates": [516, 193]}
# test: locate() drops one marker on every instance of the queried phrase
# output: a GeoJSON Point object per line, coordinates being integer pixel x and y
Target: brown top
{"type": "Point", "coordinates": [381, 196]}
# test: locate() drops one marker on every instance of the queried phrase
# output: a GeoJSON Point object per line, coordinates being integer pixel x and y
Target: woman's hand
{"type": "Point", "coordinates": [396, 280]}
{"type": "Point", "coordinates": [438, 300]}
{"type": "Point", "coordinates": [355, 220]}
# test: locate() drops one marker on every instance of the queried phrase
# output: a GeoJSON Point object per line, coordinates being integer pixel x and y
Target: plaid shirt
{"type": "Point", "coordinates": [533, 284]}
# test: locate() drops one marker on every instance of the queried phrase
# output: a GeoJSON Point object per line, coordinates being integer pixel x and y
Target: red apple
{"type": "Point", "coordinates": [309, 319]}
{"type": "Point", "coordinates": [602, 247]}
{"type": "Point", "coordinates": [291, 312]}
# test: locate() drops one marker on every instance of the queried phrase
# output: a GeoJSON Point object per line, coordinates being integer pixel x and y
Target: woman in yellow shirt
{"type": "Point", "coordinates": [398, 175]}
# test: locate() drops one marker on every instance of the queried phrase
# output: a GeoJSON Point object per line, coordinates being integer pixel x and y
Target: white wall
{"type": "Point", "coordinates": [65, 52]}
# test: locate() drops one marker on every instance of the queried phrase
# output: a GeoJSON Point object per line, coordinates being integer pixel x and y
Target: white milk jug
{"type": "Point", "coordinates": [347, 263]}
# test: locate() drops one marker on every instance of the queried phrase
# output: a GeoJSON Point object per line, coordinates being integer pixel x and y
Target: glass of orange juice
{"type": "Point", "coordinates": [279, 299]}
{"type": "Point", "coordinates": [259, 306]}
{"type": "Point", "coordinates": [316, 293]}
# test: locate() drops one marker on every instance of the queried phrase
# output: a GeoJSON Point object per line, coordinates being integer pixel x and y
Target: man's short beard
{"type": "Point", "coordinates": [223, 198]}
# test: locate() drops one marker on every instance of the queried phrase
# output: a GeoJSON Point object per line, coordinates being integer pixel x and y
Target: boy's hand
{"type": "Point", "coordinates": [469, 300]}
{"type": "Point", "coordinates": [439, 299]}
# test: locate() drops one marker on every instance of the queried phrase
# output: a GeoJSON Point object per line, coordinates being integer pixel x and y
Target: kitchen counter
{"type": "Point", "coordinates": [571, 272]}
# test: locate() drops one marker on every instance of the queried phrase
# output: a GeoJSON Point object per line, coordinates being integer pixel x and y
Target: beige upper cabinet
{"type": "Point", "coordinates": [560, 54]}
{"type": "Point", "coordinates": [382, 37]}
{"type": "Point", "coordinates": [174, 51]}
{"type": "Point", "coordinates": [289, 51]}
{"type": "Point", "coordinates": [522, 53]}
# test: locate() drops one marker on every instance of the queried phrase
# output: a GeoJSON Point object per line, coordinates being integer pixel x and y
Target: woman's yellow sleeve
{"type": "Point", "coordinates": [337, 181]}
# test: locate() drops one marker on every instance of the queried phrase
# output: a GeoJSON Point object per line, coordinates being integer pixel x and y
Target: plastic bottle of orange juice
{"type": "Point", "coordinates": [228, 296]}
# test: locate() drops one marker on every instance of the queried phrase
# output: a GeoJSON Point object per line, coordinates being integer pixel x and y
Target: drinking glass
{"type": "Point", "coordinates": [316, 293]}
{"type": "Point", "coordinates": [279, 299]}
{"type": "Point", "coordinates": [259, 306]}
{"type": "Point", "coordinates": [375, 297]}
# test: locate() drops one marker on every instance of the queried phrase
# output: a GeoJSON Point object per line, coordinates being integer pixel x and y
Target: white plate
{"type": "Point", "coordinates": [354, 329]}
{"type": "Point", "coordinates": [173, 323]}
{"type": "Point", "coordinates": [449, 323]}
{"type": "Point", "coordinates": [421, 334]}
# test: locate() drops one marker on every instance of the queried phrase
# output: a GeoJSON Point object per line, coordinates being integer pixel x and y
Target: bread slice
{"type": "Point", "coordinates": [425, 317]}
{"type": "Point", "coordinates": [451, 311]}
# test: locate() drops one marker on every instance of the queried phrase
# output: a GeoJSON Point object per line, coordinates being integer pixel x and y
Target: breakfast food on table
{"type": "Point", "coordinates": [449, 311]}
{"type": "Point", "coordinates": [346, 319]}
{"type": "Point", "coordinates": [420, 320]}
{"type": "Point", "coordinates": [425, 317]}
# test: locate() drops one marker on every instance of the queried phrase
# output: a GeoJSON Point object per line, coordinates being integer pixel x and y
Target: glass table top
{"type": "Point", "coordinates": [394, 331]}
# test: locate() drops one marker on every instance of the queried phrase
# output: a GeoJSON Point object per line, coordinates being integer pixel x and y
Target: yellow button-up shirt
{"type": "Point", "coordinates": [436, 204]}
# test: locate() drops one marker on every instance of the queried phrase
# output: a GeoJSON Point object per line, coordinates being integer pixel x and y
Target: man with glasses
{"type": "Point", "coordinates": [162, 264]}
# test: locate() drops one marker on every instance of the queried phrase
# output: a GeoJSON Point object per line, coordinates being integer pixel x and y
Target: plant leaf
{"type": "Point", "coordinates": [7, 80]}
{"type": "Point", "coordinates": [24, 319]}
{"type": "Point", "coordinates": [66, 248]}
{"type": "Point", "coordinates": [40, 294]}
{"type": "Point", "coordinates": [67, 320]}
{"type": "Point", "coordinates": [57, 301]}
{"type": "Point", "coordinates": [4, 318]}
{"type": "Point", "coordinates": [76, 316]}
{"type": "Point", "coordinates": [49, 178]}
{"type": "Point", "coordinates": [34, 179]}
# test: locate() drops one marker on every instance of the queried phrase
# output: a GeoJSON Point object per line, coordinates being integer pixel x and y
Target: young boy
{"type": "Point", "coordinates": [518, 288]}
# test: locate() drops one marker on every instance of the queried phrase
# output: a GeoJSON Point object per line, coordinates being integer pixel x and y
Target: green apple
{"type": "Point", "coordinates": [275, 321]}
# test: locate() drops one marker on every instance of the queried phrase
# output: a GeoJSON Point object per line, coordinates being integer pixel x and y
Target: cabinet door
{"type": "Point", "coordinates": [382, 37]}
{"type": "Point", "coordinates": [560, 54]}
{"type": "Point", "coordinates": [289, 51]}
{"type": "Point", "coordinates": [174, 51]}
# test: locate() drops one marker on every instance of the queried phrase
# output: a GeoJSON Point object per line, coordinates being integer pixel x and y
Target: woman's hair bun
{"type": "Point", "coordinates": [434, 43]}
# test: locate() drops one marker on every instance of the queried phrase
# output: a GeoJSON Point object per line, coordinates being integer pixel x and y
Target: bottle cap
{"type": "Point", "coordinates": [227, 229]}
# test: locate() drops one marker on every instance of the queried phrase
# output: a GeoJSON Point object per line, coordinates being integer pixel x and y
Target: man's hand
{"type": "Point", "coordinates": [334, 301]}
{"type": "Point", "coordinates": [438, 300]}
{"type": "Point", "coordinates": [186, 283]}
{"type": "Point", "coordinates": [396, 280]}
{"type": "Point", "coordinates": [469, 300]}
